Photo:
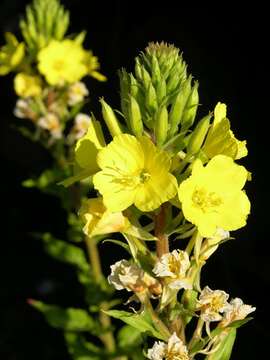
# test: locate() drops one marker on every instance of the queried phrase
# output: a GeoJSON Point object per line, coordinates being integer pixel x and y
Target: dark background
{"type": "Point", "coordinates": [225, 48]}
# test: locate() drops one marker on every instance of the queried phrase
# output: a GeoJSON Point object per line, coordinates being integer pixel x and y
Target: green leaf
{"type": "Point", "coordinates": [142, 322]}
{"type": "Point", "coordinates": [118, 242]}
{"type": "Point", "coordinates": [70, 319]}
{"type": "Point", "coordinates": [65, 252]}
{"type": "Point", "coordinates": [225, 349]}
{"type": "Point", "coordinates": [236, 324]}
{"type": "Point", "coordinates": [128, 337]}
{"type": "Point", "coordinates": [80, 349]}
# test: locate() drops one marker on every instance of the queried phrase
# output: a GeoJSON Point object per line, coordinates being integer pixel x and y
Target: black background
{"type": "Point", "coordinates": [225, 48]}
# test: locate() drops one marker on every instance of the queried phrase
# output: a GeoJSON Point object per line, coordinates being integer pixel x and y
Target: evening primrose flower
{"type": "Point", "coordinates": [237, 310]}
{"type": "Point", "coordinates": [173, 268]}
{"type": "Point", "coordinates": [125, 276]}
{"type": "Point", "coordinates": [175, 349]}
{"type": "Point", "coordinates": [93, 66]}
{"type": "Point", "coordinates": [27, 85]}
{"type": "Point", "coordinates": [62, 62]}
{"type": "Point", "coordinates": [76, 93]}
{"type": "Point", "coordinates": [51, 123]}
{"type": "Point", "coordinates": [221, 139]}
{"type": "Point", "coordinates": [98, 220]}
{"type": "Point", "coordinates": [212, 196]}
{"type": "Point", "coordinates": [134, 171]}
{"type": "Point", "coordinates": [212, 303]}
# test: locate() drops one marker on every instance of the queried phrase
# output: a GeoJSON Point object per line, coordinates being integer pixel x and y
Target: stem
{"type": "Point", "coordinates": [156, 320]}
{"type": "Point", "coordinates": [162, 242]}
{"type": "Point", "coordinates": [197, 335]}
{"type": "Point", "coordinates": [107, 338]}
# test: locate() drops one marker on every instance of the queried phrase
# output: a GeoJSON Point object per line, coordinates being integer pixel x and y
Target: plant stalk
{"type": "Point", "coordinates": [160, 222]}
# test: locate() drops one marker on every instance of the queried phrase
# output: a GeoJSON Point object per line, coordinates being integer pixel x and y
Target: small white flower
{"type": "Point", "coordinates": [173, 267]}
{"type": "Point", "coordinates": [76, 93]}
{"type": "Point", "coordinates": [237, 310]}
{"type": "Point", "coordinates": [174, 350]}
{"type": "Point", "coordinates": [81, 124]}
{"type": "Point", "coordinates": [211, 244]}
{"type": "Point", "coordinates": [21, 109]}
{"type": "Point", "coordinates": [211, 303]}
{"type": "Point", "coordinates": [125, 276]}
{"type": "Point", "coordinates": [51, 123]}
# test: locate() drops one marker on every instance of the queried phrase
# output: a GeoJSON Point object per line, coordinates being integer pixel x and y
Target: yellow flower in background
{"type": "Point", "coordinates": [27, 85]}
{"type": "Point", "coordinates": [221, 139]}
{"type": "Point", "coordinates": [62, 62]}
{"type": "Point", "coordinates": [98, 220]}
{"type": "Point", "coordinates": [134, 171]}
{"type": "Point", "coordinates": [212, 196]}
{"type": "Point", "coordinates": [93, 65]}
{"type": "Point", "coordinates": [11, 54]}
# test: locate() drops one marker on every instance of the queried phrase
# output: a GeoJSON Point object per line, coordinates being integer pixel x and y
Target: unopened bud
{"type": "Point", "coordinates": [198, 135]}
{"type": "Point", "coordinates": [110, 119]}
{"type": "Point", "coordinates": [161, 90]}
{"type": "Point", "coordinates": [151, 98]}
{"type": "Point", "coordinates": [177, 110]}
{"type": "Point", "coordinates": [190, 110]}
{"type": "Point", "coordinates": [135, 117]}
{"type": "Point", "coordinates": [161, 125]}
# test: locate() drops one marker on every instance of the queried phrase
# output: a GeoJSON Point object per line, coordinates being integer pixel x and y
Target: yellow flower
{"type": "Point", "coordinates": [98, 220]}
{"type": "Point", "coordinates": [27, 85]}
{"type": "Point", "coordinates": [62, 62]}
{"type": "Point", "coordinates": [220, 139]}
{"type": "Point", "coordinates": [88, 146]}
{"type": "Point", "coordinates": [212, 197]}
{"type": "Point", "coordinates": [11, 54]}
{"type": "Point", "coordinates": [134, 171]}
{"type": "Point", "coordinates": [93, 65]}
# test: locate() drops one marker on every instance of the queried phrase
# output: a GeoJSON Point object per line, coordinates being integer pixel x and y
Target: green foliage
{"type": "Point", "coordinates": [128, 336]}
{"type": "Point", "coordinates": [65, 252]}
{"type": "Point", "coordinates": [225, 348]}
{"type": "Point", "coordinates": [142, 321]}
{"type": "Point", "coordinates": [44, 20]}
{"type": "Point", "coordinates": [80, 349]}
{"type": "Point", "coordinates": [69, 319]}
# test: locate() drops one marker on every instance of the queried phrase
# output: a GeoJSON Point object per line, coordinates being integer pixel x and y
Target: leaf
{"type": "Point", "coordinates": [225, 349]}
{"type": "Point", "coordinates": [140, 233]}
{"type": "Point", "coordinates": [142, 322]}
{"type": "Point", "coordinates": [78, 177]}
{"type": "Point", "coordinates": [70, 319]}
{"type": "Point", "coordinates": [65, 252]}
{"type": "Point", "coordinates": [118, 242]}
{"type": "Point", "coordinates": [80, 349]}
{"type": "Point", "coordinates": [236, 324]}
{"type": "Point", "coordinates": [128, 336]}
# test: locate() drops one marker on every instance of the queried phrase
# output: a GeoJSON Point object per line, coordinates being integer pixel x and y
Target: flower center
{"type": "Point", "coordinates": [144, 176]}
{"type": "Point", "coordinates": [131, 180]}
{"type": "Point", "coordinates": [174, 265]}
{"type": "Point", "coordinates": [58, 64]}
{"type": "Point", "coordinates": [206, 201]}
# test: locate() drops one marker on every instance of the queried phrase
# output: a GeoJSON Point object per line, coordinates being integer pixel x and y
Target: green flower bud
{"type": "Point", "coordinates": [161, 125]}
{"type": "Point", "coordinates": [151, 98]}
{"type": "Point", "coordinates": [191, 108]}
{"type": "Point", "coordinates": [161, 90]}
{"type": "Point", "coordinates": [156, 76]}
{"type": "Point", "coordinates": [110, 119]}
{"type": "Point", "coordinates": [124, 90]}
{"type": "Point", "coordinates": [198, 135]}
{"type": "Point", "coordinates": [138, 69]}
{"type": "Point", "coordinates": [178, 106]}
{"type": "Point", "coordinates": [146, 78]}
{"type": "Point", "coordinates": [135, 117]}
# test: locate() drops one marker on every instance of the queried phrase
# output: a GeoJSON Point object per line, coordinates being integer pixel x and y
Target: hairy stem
{"type": "Point", "coordinates": [107, 338]}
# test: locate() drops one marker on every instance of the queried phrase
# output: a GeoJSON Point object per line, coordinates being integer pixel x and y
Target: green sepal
{"type": "Point", "coordinates": [198, 135]}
